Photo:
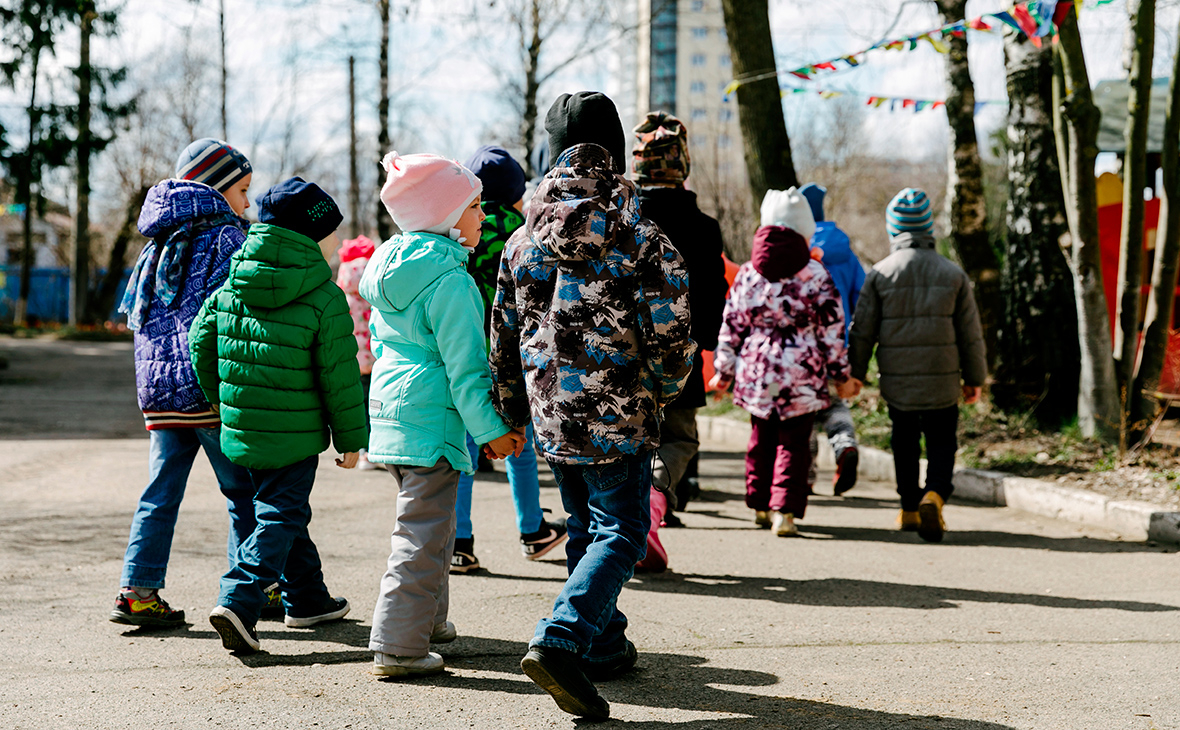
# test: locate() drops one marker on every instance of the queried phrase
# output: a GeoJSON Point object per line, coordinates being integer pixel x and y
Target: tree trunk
{"type": "Point", "coordinates": [1075, 124]}
{"type": "Point", "coordinates": [1038, 335]}
{"type": "Point", "coordinates": [384, 229]}
{"type": "Point", "coordinates": [528, 122]}
{"type": "Point", "coordinates": [102, 301]}
{"type": "Point", "coordinates": [224, 70]}
{"type": "Point", "coordinates": [966, 206]}
{"type": "Point", "coordinates": [25, 194]}
{"type": "Point", "coordinates": [354, 182]}
{"type": "Point", "coordinates": [760, 109]}
{"type": "Point", "coordinates": [1140, 51]}
{"type": "Point", "coordinates": [81, 279]}
{"type": "Point", "coordinates": [1158, 322]}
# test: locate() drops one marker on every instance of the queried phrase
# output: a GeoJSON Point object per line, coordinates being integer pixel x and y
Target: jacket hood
{"type": "Point", "coordinates": [833, 242]}
{"type": "Point", "coordinates": [911, 239]}
{"type": "Point", "coordinates": [276, 266]}
{"type": "Point", "coordinates": [779, 253]}
{"type": "Point", "coordinates": [172, 203]}
{"type": "Point", "coordinates": [581, 206]}
{"type": "Point", "coordinates": [410, 262]}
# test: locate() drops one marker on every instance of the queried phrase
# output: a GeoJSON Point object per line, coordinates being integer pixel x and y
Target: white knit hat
{"type": "Point", "coordinates": [788, 208]}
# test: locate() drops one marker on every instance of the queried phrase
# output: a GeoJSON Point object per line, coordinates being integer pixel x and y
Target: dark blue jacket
{"type": "Point", "coordinates": [168, 392]}
{"type": "Point", "coordinates": [847, 273]}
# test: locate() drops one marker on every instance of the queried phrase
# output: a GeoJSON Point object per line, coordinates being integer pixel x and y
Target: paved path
{"type": "Point", "coordinates": [1014, 622]}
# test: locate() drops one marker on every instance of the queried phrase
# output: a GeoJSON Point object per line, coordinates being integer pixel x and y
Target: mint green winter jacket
{"type": "Point", "coordinates": [273, 349]}
{"type": "Point", "coordinates": [431, 382]}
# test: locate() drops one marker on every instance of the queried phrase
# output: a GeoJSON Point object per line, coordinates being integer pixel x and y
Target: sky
{"type": "Point", "coordinates": [287, 64]}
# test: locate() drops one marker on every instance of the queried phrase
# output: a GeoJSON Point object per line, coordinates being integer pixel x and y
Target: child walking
{"type": "Point", "coordinates": [590, 339]}
{"type": "Point", "coordinates": [274, 352]}
{"type": "Point", "coordinates": [781, 341]}
{"type": "Point", "coordinates": [431, 386]}
{"type": "Point", "coordinates": [354, 256]}
{"type": "Point", "coordinates": [195, 225]}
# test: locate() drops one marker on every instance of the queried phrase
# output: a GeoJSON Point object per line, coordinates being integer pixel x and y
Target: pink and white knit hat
{"type": "Point", "coordinates": [427, 192]}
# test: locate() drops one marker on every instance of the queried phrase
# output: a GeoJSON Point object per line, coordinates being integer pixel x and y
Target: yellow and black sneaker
{"type": "Point", "coordinates": [137, 609]}
{"type": "Point", "coordinates": [274, 604]}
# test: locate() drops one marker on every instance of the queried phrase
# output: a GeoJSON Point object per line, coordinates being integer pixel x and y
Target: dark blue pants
{"type": "Point", "coordinates": [939, 427]}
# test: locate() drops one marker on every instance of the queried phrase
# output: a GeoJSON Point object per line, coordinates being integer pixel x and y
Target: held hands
{"type": "Point", "coordinates": [971, 394]}
{"type": "Point", "coordinates": [849, 388]}
{"type": "Point", "coordinates": [348, 461]}
{"type": "Point", "coordinates": [720, 385]}
{"type": "Point", "coordinates": [510, 444]}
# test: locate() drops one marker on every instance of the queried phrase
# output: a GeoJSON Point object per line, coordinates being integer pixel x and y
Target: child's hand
{"type": "Point", "coordinates": [849, 388]}
{"type": "Point", "coordinates": [719, 384]}
{"type": "Point", "coordinates": [510, 444]}
{"type": "Point", "coordinates": [348, 461]}
{"type": "Point", "coordinates": [971, 394]}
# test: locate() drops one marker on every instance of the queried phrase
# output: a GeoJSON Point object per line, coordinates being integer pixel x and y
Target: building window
{"type": "Point", "coordinates": [698, 59]}
{"type": "Point", "coordinates": [698, 6]}
{"type": "Point", "coordinates": [723, 141]}
{"type": "Point", "coordinates": [700, 32]}
{"type": "Point", "coordinates": [726, 115]}
{"type": "Point", "coordinates": [697, 87]}
{"type": "Point", "coordinates": [699, 114]}
{"type": "Point", "coordinates": [723, 59]}
{"type": "Point", "coordinates": [662, 94]}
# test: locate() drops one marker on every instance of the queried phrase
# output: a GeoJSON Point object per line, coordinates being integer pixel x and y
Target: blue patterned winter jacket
{"type": "Point", "coordinates": [185, 268]}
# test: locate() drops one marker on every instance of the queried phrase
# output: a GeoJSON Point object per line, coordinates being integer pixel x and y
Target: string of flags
{"type": "Point", "coordinates": [893, 103]}
{"type": "Point", "coordinates": [1034, 18]}
{"type": "Point", "coordinates": [12, 209]}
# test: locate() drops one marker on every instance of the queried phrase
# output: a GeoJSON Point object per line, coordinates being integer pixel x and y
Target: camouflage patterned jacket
{"type": "Point", "coordinates": [591, 317]}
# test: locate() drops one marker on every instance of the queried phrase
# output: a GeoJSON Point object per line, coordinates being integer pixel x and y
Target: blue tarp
{"type": "Point", "coordinates": [49, 293]}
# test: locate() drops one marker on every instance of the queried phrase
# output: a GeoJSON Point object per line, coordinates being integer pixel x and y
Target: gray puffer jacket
{"type": "Point", "coordinates": [917, 308]}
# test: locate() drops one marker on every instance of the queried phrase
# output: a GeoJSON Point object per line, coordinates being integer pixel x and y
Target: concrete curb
{"type": "Point", "coordinates": [1136, 520]}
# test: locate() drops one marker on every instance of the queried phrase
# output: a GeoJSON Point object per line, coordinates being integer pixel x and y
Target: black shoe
{"type": "Point", "coordinates": [608, 670]}
{"type": "Point", "coordinates": [484, 464]}
{"type": "Point", "coordinates": [536, 544]}
{"type": "Point", "coordinates": [845, 478]}
{"type": "Point", "coordinates": [302, 618]}
{"type": "Point", "coordinates": [463, 560]}
{"type": "Point", "coordinates": [152, 610]}
{"type": "Point", "coordinates": [235, 634]}
{"type": "Point", "coordinates": [687, 490]}
{"type": "Point", "coordinates": [273, 609]}
{"type": "Point", "coordinates": [557, 672]}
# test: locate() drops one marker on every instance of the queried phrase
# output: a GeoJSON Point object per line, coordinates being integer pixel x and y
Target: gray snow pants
{"type": "Point", "coordinates": [836, 420]}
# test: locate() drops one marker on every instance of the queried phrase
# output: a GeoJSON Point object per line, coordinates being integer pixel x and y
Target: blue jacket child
{"type": "Point", "coordinates": [845, 268]}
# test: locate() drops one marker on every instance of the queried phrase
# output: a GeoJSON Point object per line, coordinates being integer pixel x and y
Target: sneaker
{"type": "Point", "coordinates": [845, 478]}
{"type": "Point", "coordinates": [274, 604]}
{"type": "Point", "coordinates": [908, 521]}
{"type": "Point", "coordinates": [762, 518]}
{"type": "Point", "coordinates": [388, 665]}
{"type": "Point", "coordinates": [463, 560]}
{"type": "Point", "coordinates": [334, 609]}
{"type": "Point", "coordinates": [930, 524]}
{"type": "Point", "coordinates": [151, 610]}
{"type": "Point", "coordinates": [235, 635]}
{"type": "Point", "coordinates": [557, 671]}
{"type": "Point", "coordinates": [613, 668]}
{"type": "Point", "coordinates": [783, 524]}
{"type": "Point", "coordinates": [671, 520]}
{"type": "Point", "coordinates": [656, 559]}
{"type": "Point", "coordinates": [534, 545]}
{"type": "Point", "coordinates": [443, 633]}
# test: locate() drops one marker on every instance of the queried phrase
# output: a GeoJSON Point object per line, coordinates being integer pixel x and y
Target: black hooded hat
{"type": "Point", "coordinates": [587, 116]}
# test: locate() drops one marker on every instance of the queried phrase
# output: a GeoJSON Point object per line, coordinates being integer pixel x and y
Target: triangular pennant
{"type": "Point", "coordinates": [939, 44]}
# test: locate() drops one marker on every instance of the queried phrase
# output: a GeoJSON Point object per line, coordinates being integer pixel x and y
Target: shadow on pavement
{"type": "Point", "coordinates": [847, 592]}
{"type": "Point", "coordinates": [984, 538]}
{"type": "Point", "coordinates": [685, 683]}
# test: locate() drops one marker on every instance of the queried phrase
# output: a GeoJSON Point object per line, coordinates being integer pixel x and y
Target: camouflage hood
{"type": "Point", "coordinates": [582, 207]}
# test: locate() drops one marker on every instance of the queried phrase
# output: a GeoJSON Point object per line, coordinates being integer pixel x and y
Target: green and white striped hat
{"type": "Point", "coordinates": [909, 212]}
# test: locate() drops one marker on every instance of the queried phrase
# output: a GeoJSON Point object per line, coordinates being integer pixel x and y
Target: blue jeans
{"type": "Point", "coordinates": [522, 478]}
{"type": "Point", "coordinates": [609, 519]}
{"type": "Point", "coordinates": [171, 455]}
{"type": "Point", "coordinates": [279, 550]}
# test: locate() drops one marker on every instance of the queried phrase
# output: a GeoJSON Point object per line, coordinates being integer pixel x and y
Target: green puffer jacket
{"type": "Point", "coordinates": [431, 382]}
{"type": "Point", "coordinates": [273, 350]}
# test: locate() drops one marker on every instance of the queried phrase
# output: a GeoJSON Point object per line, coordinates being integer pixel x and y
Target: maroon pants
{"type": "Point", "coordinates": [777, 461]}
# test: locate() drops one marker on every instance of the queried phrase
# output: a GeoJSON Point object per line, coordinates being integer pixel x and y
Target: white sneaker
{"type": "Point", "coordinates": [388, 665]}
{"type": "Point", "coordinates": [783, 524]}
{"type": "Point", "coordinates": [443, 633]}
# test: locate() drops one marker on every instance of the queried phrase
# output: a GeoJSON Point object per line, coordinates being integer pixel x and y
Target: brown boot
{"type": "Point", "coordinates": [908, 521]}
{"type": "Point", "coordinates": [931, 526]}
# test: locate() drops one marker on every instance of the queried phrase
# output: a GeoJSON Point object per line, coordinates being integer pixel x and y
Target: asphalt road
{"type": "Point", "coordinates": [1014, 621]}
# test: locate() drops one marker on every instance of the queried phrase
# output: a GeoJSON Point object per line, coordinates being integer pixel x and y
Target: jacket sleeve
{"type": "Point", "coordinates": [866, 326]}
{"type": "Point", "coordinates": [455, 315]}
{"type": "Point", "coordinates": [858, 282]}
{"type": "Point", "coordinates": [735, 327]}
{"type": "Point", "coordinates": [708, 302]}
{"type": "Point", "coordinates": [202, 349]}
{"type": "Point", "coordinates": [830, 326]}
{"type": "Point", "coordinates": [339, 375]}
{"type": "Point", "coordinates": [229, 241]}
{"type": "Point", "coordinates": [969, 336]}
{"type": "Point", "coordinates": [664, 319]}
{"type": "Point", "coordinates": [508, 392]}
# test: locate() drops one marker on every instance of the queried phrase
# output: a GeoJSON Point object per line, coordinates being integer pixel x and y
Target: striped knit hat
{"type": "Point", "coordinates": [909, 212]}
{"type": "Point", "coordinates": [212, 162]}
